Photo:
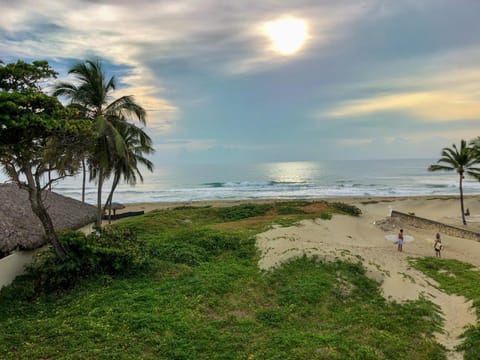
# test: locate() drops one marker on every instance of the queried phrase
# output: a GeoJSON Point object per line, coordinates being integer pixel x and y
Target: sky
{"type": "Point", "coordinates": [272, 81]}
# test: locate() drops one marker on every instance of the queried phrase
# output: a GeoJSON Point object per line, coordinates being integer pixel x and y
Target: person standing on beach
{"type": "Point", "coordinates": [438, 246]}
{"type": "Point", "coordinates": [400, 241]}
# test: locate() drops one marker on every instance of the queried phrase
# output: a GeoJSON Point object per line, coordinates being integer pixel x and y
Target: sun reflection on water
{"type": "Point", "coordinates": [293, 172]}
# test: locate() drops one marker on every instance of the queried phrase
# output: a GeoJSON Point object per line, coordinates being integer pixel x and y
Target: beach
{"type": "Point", "coordinates": [363, 239]}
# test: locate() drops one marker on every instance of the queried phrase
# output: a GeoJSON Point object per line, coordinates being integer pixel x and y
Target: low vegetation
{"type": "Point", "coordinates": [192, 289]}
{"type": "Point", "coordinates": [456, 277]}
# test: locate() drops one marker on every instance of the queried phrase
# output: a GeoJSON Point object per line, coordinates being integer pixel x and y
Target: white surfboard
{"type": "Point", "coordinates": [394, 238]}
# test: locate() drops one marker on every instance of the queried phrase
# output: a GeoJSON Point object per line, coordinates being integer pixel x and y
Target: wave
{"type": "Point", "coordinates": [255, 184]}
{"type": "Point", "coordinates": [263, 191]}
{"type": "Point", "coordinates": [283, 181]}
{"type": "Point", "coordinates": [439, 186]}
{"type": "Point", "coordinates": [214, 184]}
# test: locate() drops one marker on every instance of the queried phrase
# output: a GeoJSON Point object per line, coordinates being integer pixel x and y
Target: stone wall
{"type": "Point", "coordinates": [435, 226]}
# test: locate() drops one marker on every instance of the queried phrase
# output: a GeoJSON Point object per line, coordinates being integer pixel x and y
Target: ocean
{"type": "Point", "coordinates": [281, 180]}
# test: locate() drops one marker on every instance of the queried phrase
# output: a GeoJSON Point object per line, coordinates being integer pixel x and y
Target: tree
{"type": "Point", "coordinates": [137, 144]}
{"type": "Point", "coordinates": [36, 136]}
{"type": "Point", "coordinates": [463, 161]}
{"type": "Point", "coordinates": [91, 91]}
{"type": "Point", "coordinates": [25, 77]}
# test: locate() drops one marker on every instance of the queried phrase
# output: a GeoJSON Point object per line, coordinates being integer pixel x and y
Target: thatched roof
{"type": "Point", "coordinates": [20, 228]}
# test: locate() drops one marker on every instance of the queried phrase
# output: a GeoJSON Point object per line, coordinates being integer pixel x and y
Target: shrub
{"type": "Point", "coordinates": [325, 215]}
{"type": "Point", "coordinates": [244, 211]}
{"type": "Point", "coordinates": [214, 242]}
{"type": "Point", "coordinates": [192, 246]}
{"type": "Point", "coordinates": [52, 273]}
{"type": "Point", "coordinates": [288, 210]}
{"type": "Point", "coordinates": [182, 253]}
{"type": "Point", "coordinates": [112, 252]}
{"type": "Point", "coordinates": [294, 203]}
{"type": "Point", "coordinates": [347, 209]}
{"type": "Point", "coordinates": [118, 250]}
{"type": "Point", "coordinates": [21, 289]}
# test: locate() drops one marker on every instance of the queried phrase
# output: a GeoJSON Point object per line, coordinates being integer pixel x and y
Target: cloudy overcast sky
{"type": "Point", "coordinates": [273, 80]}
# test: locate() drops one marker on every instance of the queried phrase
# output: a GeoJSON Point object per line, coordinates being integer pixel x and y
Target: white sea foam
{"type": "Point", "coordinates": [281, 180]}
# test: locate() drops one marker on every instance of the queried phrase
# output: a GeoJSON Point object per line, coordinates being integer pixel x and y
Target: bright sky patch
{"type": "Point", "coordinates": [288, 35]}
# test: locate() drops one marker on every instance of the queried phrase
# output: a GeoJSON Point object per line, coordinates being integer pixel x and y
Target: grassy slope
{"type": "Point", "coordinates": [197, 302]}
{"type": "Point", "coordinates": [459, 278]}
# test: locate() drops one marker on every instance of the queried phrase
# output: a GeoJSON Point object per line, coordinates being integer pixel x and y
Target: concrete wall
{"type": "Point", "coordinates": [87, 229]}
{"type": "Point", "coordinates": [435, 226]}
{"type": "Point", "coordinates": [13, 265]}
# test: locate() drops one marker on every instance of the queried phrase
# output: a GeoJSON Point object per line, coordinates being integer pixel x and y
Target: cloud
{"type": "Point", "coordinates": [434, 105]}
{"type": "Point", "coordinates": [79, 29]}
{"type": "Point", "coordinates": [162, 113]}
{"type": "Point", "coordinates": [184, 144]}
{"type": "Point", "coordinates": [445, 91]}
{"type": "Point", "coordinates": [193, 63]}
{"type": "Point", "coordinates": [326, 23]}
{"type": "Point", "coordinates": [353, 142]}
{"type": "Point", "coordinates": [221, 32]}
{"type": "Point", "coordinates": [445, 137]}
{"type": "Point", "coordinates": [222, 37]}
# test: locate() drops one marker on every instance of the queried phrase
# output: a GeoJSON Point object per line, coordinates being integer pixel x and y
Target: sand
{"type": "Point", "coordinates": [363, 239]}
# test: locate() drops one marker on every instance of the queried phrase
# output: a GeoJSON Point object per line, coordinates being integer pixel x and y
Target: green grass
{"type": "Point", "coordinates": [456, 277]}
{"type": "Point", "coordinates": [204, 297]}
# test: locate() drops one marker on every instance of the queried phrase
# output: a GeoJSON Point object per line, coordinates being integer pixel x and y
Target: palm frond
{"type": "Point", "coordinates": [440, 167]}
{"type": "Point", "coordinates": [65, 89]}
{"type": "Point", "coordinates": [126, 107]}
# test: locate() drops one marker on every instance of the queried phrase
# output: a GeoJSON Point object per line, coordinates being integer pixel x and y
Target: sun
{"type": "Point", "coordinates": [288, 35]}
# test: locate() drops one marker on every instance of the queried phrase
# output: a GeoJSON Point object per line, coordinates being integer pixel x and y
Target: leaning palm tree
{"type": "Point", "coordinates": [463, 161]}
{"type": "Point", "coordinates": [91, 91]}
{"type": "Point", "coordinates": [137, 144]}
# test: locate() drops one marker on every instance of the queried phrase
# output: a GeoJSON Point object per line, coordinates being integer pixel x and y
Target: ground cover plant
{"type": "Point", "coordinates": [202, 296]}
{"type": "Point", "coordinates": [456, 277]}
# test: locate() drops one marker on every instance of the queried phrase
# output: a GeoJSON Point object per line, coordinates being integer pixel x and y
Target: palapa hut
{"type": "Point", "coordinates": [19, 226]}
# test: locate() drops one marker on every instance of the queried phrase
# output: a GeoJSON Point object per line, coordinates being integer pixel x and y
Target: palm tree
{"type": "Point", "coordinates": [475, 143]}
{"type": "Point", "coordinates": [463, 161]}
{"type": "Point", "coordinates": [137, 143]}
{"type": "Point", "coordinates": [91, 91]}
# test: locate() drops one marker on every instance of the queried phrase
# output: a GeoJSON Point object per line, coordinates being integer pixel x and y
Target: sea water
{"type": "Point", "coordinates": [280, 180]}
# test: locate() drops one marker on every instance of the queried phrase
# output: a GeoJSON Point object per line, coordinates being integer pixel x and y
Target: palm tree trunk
{"type": "Point", "coordinates": [108, 203]}
{"type": "Point", "coordinates": [461, 200]}
{"type": "Point", "coordinates": [83, 180]}
{"type": "Point", "coordinates": [99, 199]}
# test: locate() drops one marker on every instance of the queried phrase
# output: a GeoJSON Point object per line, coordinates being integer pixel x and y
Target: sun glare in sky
{"type": "Point", "coordinates": [288, 35]}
